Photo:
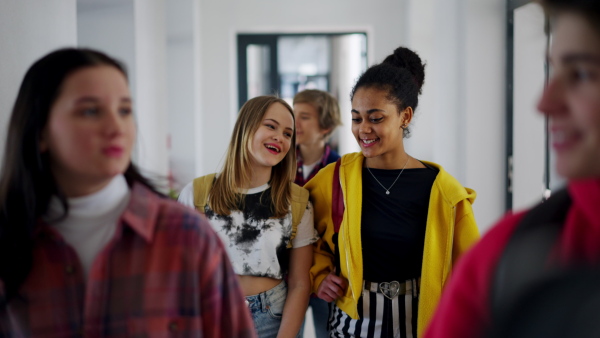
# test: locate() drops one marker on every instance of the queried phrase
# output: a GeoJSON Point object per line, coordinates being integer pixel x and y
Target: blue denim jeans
{"type": "Point", "coordinates": [266, 310]}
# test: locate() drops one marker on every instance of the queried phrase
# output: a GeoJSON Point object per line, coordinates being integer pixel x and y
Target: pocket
{"type": "Point", "coordinates": [276, 301]}
{"type": "Point", "coordinates": [165, 326]}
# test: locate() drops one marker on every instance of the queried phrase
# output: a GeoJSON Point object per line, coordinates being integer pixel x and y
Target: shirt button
{"type": "Point", "coordinates": [299, 170]}
{"type": "Point", "coordinates": [69, 269]}
{"type": "Point", "coordinates": [173, 327]}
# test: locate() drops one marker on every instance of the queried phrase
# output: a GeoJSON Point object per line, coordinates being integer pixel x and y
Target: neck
{"type": "Point", "coordinates": [72, 187]}
{"type": "Point", "coordinates": [311, 153]}
{"type": "Point", "coordinates": [388, 162]}
{"type": "Point", "coordinates": [260, 176]}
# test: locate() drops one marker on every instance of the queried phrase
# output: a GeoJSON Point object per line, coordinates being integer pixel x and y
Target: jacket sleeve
{"type": "Point", "coordinates": [466, 232]}
{"type": "Point", "coordinates": [320, 195]}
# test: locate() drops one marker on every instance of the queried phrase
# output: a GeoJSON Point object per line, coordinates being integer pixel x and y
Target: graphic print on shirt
{"type": "Point", "coordinates": [256, 242]}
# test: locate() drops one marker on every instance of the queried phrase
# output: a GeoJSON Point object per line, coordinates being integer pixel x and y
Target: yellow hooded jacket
{"type": "Point", "coordinates": [450, 231]}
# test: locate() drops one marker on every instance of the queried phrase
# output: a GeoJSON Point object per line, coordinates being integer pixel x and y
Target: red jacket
{"type": "Point", "coordinates": [464, 310]}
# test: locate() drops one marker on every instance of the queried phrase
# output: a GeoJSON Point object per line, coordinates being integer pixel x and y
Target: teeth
{"type": "Point", "coordinates": [368, 141]}
{"type": "Point", "coordinates": [271, 147]}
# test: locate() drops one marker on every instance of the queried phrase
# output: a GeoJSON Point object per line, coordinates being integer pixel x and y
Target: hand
{"type": "Point", "coordinates": [332, 287]}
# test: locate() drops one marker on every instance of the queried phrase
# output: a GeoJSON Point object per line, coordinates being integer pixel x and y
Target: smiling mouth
{"type": "Point", "coordinates": [273, 148]}
{"type": "Point", "coordinates": [369, 142]}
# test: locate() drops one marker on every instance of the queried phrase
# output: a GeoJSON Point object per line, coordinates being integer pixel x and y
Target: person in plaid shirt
{"type": "Point", "coordinates": [87, 246]}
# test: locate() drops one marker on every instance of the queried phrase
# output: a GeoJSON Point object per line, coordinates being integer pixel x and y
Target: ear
{"type": "Point", "coordinates": [325, 131]}
{"type": "Point", "coordinates": [406, 116]}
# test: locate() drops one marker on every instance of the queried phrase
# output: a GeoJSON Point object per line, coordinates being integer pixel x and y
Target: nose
{"type": "Point", "coordinates": [364, 128]}
{"type": "Point", "coordinates": [114, 123]}
{"type": "Point", "coordinates": [552, 100]}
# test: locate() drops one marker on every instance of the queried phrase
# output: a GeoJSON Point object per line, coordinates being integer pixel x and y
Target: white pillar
{"type": "Point", "coordinates": [183, 78]}
{"type": "Point", "coordinates": [134, 31]}
{"type": "Point", "coordinates": [151, 89]}
{"type": "Point", "coordinates": [29, 31]}
{"type": "Point", "coordinates": [447, 79]}
{"type": "Point", "coordinates": [460, 120]}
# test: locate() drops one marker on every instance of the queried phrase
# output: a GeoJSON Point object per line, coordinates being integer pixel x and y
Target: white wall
{"type": "Point", "coordinates": [460, 120]}
{"type": "Point", "coordinates": [151, 85]}
{"type": "Point", "coordinates": [183, 83]}
{"type": "Point", "coordinates": [189, 47]}
{"type": "Point", "coordinates": [28, 31]}
{"type": "Point", "coordinates": [222, 20]}
{"type": "Point", "coordinates": [134, 31]}
{"type": "Point", "coordinates": [109, 26]}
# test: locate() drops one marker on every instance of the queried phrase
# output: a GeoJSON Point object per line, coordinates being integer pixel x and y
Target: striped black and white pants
{"type": "Point", "coordinates": [379, 315]}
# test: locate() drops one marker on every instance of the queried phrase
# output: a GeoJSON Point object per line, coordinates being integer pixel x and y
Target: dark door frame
{"type": "Point", "coordinates": [511, 6]}
{"type": "Point", "coordinates": [270, 39]}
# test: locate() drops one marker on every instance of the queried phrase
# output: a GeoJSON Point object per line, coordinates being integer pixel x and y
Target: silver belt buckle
{"type": "Point", "coordinates": [390, 290]}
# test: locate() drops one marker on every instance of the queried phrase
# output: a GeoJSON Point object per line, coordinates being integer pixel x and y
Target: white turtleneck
{"type": "Point", "coordinates": [92, 219]}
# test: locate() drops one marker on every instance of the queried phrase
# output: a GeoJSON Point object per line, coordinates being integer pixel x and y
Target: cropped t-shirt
{"type": "Point", "coordinates": [257, 242]}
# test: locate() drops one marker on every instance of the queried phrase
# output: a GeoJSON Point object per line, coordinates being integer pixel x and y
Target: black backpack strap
{"type": "Point", "coordinates": [337, 211]}
{"type": "Point", "coordinates": [525, 259]}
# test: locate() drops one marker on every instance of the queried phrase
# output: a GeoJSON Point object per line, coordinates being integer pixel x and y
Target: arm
{"type": "Point", "coordinates": [466, 232]}
{"type": "Point", "coordinates": [298, 292]}
{"type": "Point", "coordinates": [320, 195]}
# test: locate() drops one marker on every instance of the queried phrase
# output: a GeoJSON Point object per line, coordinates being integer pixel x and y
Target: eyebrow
{"type": "Point", "coordinates": [580, 57]}
{"type": "Point", "coordinates": [370, 111]}
{"type": "Point", "coordinates": [277, 122]}
{"type": "Point", "coordinates": [91, 99]}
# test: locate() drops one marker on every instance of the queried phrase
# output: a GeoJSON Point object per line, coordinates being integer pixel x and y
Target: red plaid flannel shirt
{"type": "Point", "coordinates": [165, 273]}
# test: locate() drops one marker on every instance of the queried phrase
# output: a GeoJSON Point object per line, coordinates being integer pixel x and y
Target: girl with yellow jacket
{"type": "Point", "coordinates": [405, 222]}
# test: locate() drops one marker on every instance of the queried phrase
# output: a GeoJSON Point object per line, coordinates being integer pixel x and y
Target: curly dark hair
{"type": "Point", "coordinates": [401, 75]}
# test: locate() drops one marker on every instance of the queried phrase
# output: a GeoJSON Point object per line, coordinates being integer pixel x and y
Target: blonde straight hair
{"type": "Point", "coordinates": [225, 195]}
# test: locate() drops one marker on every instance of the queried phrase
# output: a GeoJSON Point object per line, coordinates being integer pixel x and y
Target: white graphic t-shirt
{"type": "Point", "coordinates": [256, 242]}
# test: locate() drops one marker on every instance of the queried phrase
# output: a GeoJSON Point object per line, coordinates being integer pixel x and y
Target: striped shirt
{"type": "Point", "coordinates": [164, 273]}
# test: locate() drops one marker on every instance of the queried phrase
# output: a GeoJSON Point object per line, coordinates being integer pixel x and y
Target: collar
{"type": "Point", "coordinates": [141, 214]}
{"type": "Point", "coordinates": [323, 161]}
{"type": "Point", "coordinates": [586, 196]}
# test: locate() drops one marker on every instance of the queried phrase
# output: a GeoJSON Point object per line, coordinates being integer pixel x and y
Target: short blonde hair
{"type": "Point", "coordinates": [327, 106]}
{"type": "Point", "coordinates": [225, 196]}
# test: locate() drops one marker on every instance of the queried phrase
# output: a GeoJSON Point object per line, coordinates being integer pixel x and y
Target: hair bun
{"type": "Point", "coordinates": [409, 60]}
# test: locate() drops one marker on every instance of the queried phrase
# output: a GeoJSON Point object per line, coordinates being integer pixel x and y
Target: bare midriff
{"type": "Point", "coordinates": [252, 285]}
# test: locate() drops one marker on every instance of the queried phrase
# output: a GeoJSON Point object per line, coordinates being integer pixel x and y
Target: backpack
{"type": "Point", "coordinates": [202, 186]}
{"type": "Point", "coordinates": [530, 296]}
{"type": "Point", "coordinates": [337, 211]}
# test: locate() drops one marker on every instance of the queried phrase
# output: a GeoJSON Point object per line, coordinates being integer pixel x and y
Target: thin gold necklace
{"type": "Point", "coordinates": [387, 190]}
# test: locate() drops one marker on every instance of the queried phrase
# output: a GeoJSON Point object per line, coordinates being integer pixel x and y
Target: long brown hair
{"type": "Point", "coordinates": [26, 182]}
{"type": "Point", "coordinates": [225, 194]}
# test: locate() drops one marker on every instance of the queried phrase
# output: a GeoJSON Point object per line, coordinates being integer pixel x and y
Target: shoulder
{"type": "Point", "coordinates": [333, 156]}
{"type": "Point", "coordinates": [178, 223]}
{"type": "Point", "coordinates": [299, 194]}
{"type": "Point", "coordinates": [204, 179]}
{"type": "Point", "coordinates": [186, 196]}
{"type": "Point", "coordinates": [449, 187]}
{"type": "Point", "coordinates": [351, 158]}
{"type": "Point", "coordinates": [467, 294]}
{"type": "Point", "coordinates": [488, 249]}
